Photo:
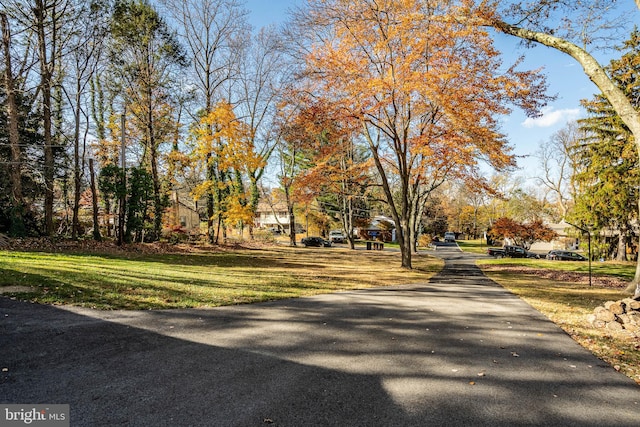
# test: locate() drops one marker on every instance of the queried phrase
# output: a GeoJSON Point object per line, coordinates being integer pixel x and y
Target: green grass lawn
{"type": "Point", "coordinates": [157, 281]}
{"type": "Point", "coordinates": [477, 246]}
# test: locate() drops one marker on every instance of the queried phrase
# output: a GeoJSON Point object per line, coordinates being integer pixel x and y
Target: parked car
{"type": "Point", "coordinates": [337, 236]}
{"type": "Point", "coordinates": [450, 236]}
{"type": "Point", "coordinates": [565, 256]}
{"type": "Point", "coordinates": [315, 241]}
{"type": "Point", "coordinates": [508, 251]}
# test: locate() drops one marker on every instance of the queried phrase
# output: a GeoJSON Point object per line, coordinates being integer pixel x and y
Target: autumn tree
{"type": "Point", "coordinates": [292, 160]}
{"type": "Point", "coordinates": [337, 172]}
{"type": "Point", "coordinates": [214, 33]}
{"type": "Point", "coordinates": [258, 87]}
{"type": "Point", "coordinates": [224, 146]}
{"type": "Point", "coordinates": [425, 92]}
{"type": "Point", "coordinates": [522, 234]}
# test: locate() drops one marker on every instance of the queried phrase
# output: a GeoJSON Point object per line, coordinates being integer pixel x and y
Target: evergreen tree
{"type": "Point", "coordinates": [32, 189]}
{"type": "Point", "coordinates": [146, 58]}
{"type": "Point", "coordinates": [607, 175]}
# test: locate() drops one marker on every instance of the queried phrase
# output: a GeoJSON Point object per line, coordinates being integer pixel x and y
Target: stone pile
{"type": "Point", "coordinates": [617, 316]}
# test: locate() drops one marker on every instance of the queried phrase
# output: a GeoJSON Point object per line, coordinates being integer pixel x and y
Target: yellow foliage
{"type": "Point", "coordinates": [237, 213]}
{"type": "Point", "coordinates": [201, 189]}
{"type": "Point", "coordinates": [223, 138]}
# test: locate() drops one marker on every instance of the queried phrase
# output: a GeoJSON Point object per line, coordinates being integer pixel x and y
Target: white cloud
{"type": "Point", "coordinates": [551, 117]}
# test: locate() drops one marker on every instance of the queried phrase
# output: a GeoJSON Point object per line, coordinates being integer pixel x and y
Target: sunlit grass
{"type": "Point", "coordinates": [135, 281]}
{"type": "Point", "coordinates": [477, 246]}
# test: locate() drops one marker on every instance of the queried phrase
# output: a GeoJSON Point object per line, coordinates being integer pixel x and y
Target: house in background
{"type": "Point", "coordinates": [564, 241]}
{"type": "Point", "coordinates": [188, 213]}
{"type": "Point", "coordinates": [274, 217]}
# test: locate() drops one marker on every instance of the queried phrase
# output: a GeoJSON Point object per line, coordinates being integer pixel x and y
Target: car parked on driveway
{"type": "Point", "coordinates": [565, 256]}
{"type": "Point", "coordinates": [315, 241]}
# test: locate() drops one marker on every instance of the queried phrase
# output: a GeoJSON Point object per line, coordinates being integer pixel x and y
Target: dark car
{"type": "Point", "coordinates": [565, 256]}
{"type": "Point", "coordinates": [508, 251]}
{"type": "Point", "coordinates": [315, 241]}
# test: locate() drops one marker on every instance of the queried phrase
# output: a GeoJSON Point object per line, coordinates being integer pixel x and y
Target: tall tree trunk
{"type": "Point", "coordinates": [45, 89]}
{"type": "Point", "coordinates": [158, 208]}
{"type": "Point", "coordinates": [254, 197]}
{"type": "Point", "coordinates": [17, 227]}
{"type": "Point", "coordinates": [94, 203]}
{"type": "Point", "coordinates": [621, 252]}
{"type": "Point", "coordinates": [77, 183]}
{"type": "Point", "coordinates": [292, 216]}
{"type": "Point", "coordinates": [403, 231]}
{"type": "Point", "coordinates": [211, 177]}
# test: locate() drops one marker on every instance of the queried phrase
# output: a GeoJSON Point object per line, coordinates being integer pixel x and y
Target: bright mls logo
{"type": "Point", "coordinates": [34, 415]}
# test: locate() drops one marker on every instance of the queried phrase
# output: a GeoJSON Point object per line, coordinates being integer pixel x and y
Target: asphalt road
{"type": "Point", "coordinates": [457, 351]}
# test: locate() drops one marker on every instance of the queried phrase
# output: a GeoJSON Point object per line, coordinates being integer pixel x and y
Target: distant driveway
{"type": "Point", "coordinates": [456, 351]}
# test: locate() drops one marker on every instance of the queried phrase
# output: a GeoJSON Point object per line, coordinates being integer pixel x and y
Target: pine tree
{"type": "Point", "coordinates": [607, 175]}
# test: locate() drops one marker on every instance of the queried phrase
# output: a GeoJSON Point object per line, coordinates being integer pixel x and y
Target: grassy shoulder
{"type": "Point", "coordinates": [199, 279]}
{"type": "Point", "coordinates": [561, 291]}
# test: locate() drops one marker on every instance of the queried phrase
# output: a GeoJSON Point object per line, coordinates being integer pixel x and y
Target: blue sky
{"type": "Point", "coordinates": [565, 77]}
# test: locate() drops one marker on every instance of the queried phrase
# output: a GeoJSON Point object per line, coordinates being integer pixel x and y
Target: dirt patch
{"type": "Point", "coordinates": [561, 276]}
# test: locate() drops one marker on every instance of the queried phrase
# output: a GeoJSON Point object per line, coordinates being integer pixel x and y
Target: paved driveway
{"type": "Point", "coordinates": [457, 351]}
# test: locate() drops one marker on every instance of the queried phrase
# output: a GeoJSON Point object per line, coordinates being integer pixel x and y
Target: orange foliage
{"type": "Point", "coordinates": [327, 143]}
{"type": "Point", "coordinates": [429, 88]}
{"type": "Point", "coordinates": [522, 234]}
